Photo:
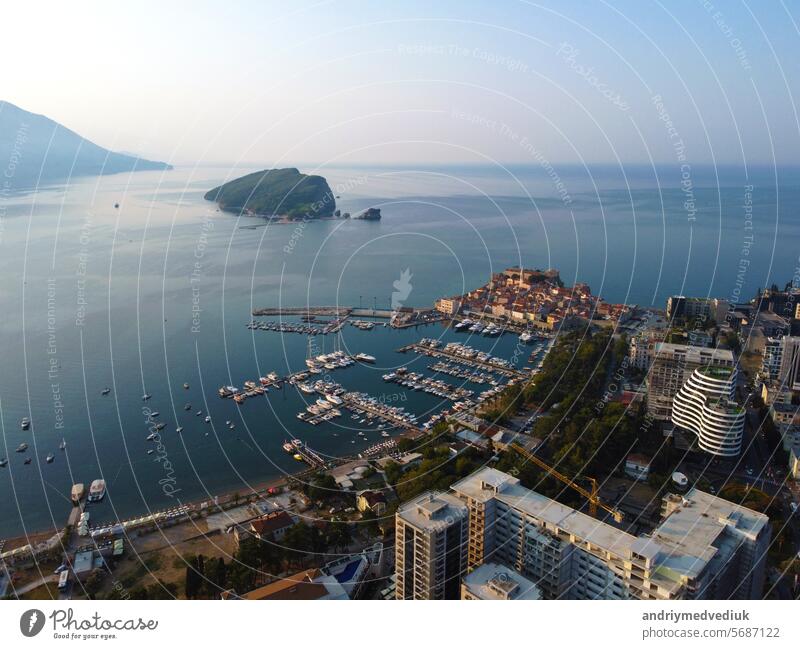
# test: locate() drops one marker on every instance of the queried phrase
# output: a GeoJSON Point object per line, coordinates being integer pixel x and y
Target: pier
{"type": "Point", "coordinates": [355, 402]}
{"type": "Point", "coordinates": [416, 381]}
{"type": "Point", "coordinates": [461, 358]}
{"type": "Point", "coordinates": [309, 455]}
{"type": "Point", "coordinates": [399, 319]}
{"type": "Point", "coordinates": [332, 311]}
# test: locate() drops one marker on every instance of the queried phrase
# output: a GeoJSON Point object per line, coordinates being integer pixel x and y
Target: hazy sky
{"type": "Point", "coordinates": [380, 82]}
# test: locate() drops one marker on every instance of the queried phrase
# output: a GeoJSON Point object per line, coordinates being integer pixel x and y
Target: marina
{"type": "Point", "coordinates": [310, 328]}
{"type": "Point", "coordinates": [298, 374]}
{"type": "Point", "coordinates": [416, 381]}
{"type": "Point", "coordinates": [461, 372]}
{"type": "Point", "coordinates": [465, 355]}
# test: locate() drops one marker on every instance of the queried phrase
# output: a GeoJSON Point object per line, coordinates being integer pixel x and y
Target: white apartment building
{"type": "Point", "coordinates": [704, 548]}
{"type": "Point", "coordinates": [705, 405]}
{"type": "Point", "coordinates": [431, 533]}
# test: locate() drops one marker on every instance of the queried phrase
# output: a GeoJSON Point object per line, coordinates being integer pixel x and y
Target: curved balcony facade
{"type": "Point", "coordinates": [705, 406]}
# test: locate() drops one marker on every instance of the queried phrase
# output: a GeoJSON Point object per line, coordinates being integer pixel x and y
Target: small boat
{"type": "Point", "coordinates": [97, 490]}
{"type": "Point", "coordinates": [63, 445]}
{"type": "Point", "coordinates": [25, 423]}
{"type": "Point", "coordinates": [22, 448]}
{"type": "Point", "coordinates": [185, 386]}
{"type": "Point", "coordinates": [384, 434]}
{"type": "Point", "coordinates": [151, 437]}
{"type": "Point", "coordinates": [298, 457]}
{"type": "Point", "coordinates": [3, 463]}
{"type": "Point", "coordinates": [149, 451]}
{"type": "Point", "coordinates": [179, 429]}
{"type": "Point", "coordinates": [28, 460]}
{"type": "Point", "coordinates": [50, 457]}
{"type": "Point", "coordinates": [160, 425]}
{"type": "Point", "coordinates": [232, 426]}
{"type": "Point", "coordinates": [208, 419]}
{"type": "Point", "coordinates": [155, 413]}
{"type": "Point", "coordinates": [105, 391]}
{"type": "Point", "coordinates": [188, 406]}
{"type": "Point", "coordinates": [145, 396]}
{"type": "Point", "coordinates": [198, 413]}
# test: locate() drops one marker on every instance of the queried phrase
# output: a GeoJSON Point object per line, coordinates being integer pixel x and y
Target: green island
{"type": "Point", "coordinates": [276, 193]}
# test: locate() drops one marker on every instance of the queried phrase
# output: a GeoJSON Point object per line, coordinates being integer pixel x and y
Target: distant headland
{"type": "Point", "coordinates": [37, 150]}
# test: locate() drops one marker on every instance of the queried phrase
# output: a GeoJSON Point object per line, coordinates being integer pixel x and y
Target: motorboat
{"type": "Point", "coordinates": [97, 490]}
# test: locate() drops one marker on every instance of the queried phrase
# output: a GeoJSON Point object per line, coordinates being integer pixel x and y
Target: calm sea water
{"type": "Point", "coordinates": [157, 292]}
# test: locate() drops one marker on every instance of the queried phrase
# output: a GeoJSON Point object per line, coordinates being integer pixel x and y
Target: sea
{"type": "Point", "coordinates": [135, 283]}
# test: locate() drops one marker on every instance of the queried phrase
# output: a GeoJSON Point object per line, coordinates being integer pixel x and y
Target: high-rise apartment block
{"type": "Point", "coordinates": [431, 533]}
{"type": "Point", "coordinates": [671, 367]}
{"type": "Point", "coordinates": [704, 548]}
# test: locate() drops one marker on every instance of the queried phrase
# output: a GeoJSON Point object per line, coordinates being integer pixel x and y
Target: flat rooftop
{"type": "Point", "coordinates": [494, 581]}
{"type": "Point", "coordinates": [682, 544]}
{"type": "Point", "coordinates": [432, 510]}
{"type": "Point", "coordinates": [487, 483]}
{"type": "Point", "coordinates": [693, 533]}
{"type": "Point", "coordinates": [695, 354]}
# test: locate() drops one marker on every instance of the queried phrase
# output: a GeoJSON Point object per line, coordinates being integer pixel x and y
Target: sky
{"type": "Point", "coordinates": [341, 82]}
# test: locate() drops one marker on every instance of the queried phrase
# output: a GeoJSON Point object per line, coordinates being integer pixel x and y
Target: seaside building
{"type": "Point", "coordinates": [373, 501]}
{"type": "Point", "coordinates": [671, 366]}
{"type": "Point", "coordinates": [448, 305]}
{"type": "Point", "coordinates": [704, 548]}
{"type": "Point", "coordinates": [705, 405]}
{"type": "Point", "coordinates": [491, 581]}
{"type": "Point", "coordinates": [430, 547]}
{"type": "Point", "coordinates": [307, 585]}
{"type": "Point", "coordinates": [680, 308]}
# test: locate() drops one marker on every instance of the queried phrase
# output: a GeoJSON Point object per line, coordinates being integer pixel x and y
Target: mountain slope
{"type": "Point", "coordinates": [35, 149]}
{"type": "Point", "coordinates": [284, 192]}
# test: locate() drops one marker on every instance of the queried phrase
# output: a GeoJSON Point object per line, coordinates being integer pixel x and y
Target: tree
{"type": "Point", "coordinates": [340, 535]}
{"type": "Point", "coordinates": [194, 577]}
{"type": "Point", "coordinates": [218, 576]}
{"type": "Point", "coordinates": [93, 583]}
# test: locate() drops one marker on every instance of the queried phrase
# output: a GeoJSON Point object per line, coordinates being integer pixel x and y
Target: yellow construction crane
{"type": "Point", "coordinates": [592, 496]}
